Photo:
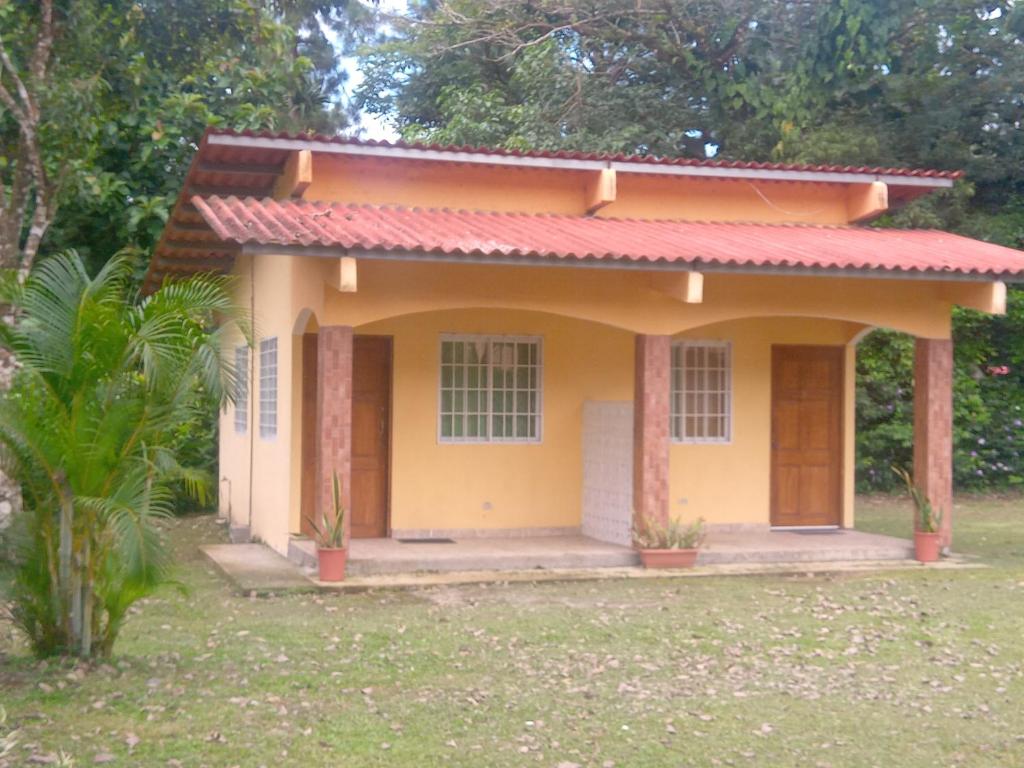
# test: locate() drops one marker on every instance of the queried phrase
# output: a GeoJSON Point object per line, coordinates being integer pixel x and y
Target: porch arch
{"type": "Point", "coordinates": [633, 300]}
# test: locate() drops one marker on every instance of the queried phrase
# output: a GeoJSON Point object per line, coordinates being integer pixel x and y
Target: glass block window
{"type": "Point", "coordinates": [242, 390]}
{"type": "Point", "coordinates": [268, 387]}
{"type": "Point", "coordinates": [490, 389]}
{"type": "Point", "coordinates": [701, 392]}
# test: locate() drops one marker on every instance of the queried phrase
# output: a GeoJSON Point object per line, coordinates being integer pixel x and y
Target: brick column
{"type": "Point", "coordinates": [651, 414]}
{"type": "Point", "coordinates": [334, 418]}
{"type": "Point", "coordinates": [933, 427]}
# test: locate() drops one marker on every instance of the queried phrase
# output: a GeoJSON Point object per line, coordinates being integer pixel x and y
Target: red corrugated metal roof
{"type": "Point", "coordinates": [548, 237]}
{"type": "Point", "coordinates": [600, 156]}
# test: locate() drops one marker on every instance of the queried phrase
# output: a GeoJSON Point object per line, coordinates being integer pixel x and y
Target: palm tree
{"type": "Point", "coordinates": [105, 379]}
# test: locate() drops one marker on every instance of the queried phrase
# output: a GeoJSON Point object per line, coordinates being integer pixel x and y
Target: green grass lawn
{"type": "Point", "coordinates": [905, 669]}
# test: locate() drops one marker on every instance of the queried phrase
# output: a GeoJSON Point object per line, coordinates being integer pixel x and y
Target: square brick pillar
{"type": "Point", "coordinates": [334, 418]}
{"type": "Point", "coordinates": [933, 427]}
{"type": "Point", "coordinates": [651, 416]}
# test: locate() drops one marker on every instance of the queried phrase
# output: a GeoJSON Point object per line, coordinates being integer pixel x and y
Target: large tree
{"type": "Point", "coordinates": [933, 83]}
{"type": "Point", "coordinates": [102, 102]}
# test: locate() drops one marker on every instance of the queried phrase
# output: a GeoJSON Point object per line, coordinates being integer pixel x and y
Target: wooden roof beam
{"type": "Point", "coordinates": [599, 191]}
{"type": "Point", "coordinates": [866, 201]}
{"type": "Point", "coordinates": [296, 176]}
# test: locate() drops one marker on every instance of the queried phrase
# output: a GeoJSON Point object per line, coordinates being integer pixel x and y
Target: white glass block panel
{"type": "Point", "coordinates": [242, 391]}
{"type": "Point", "coordinates": [268, 387]}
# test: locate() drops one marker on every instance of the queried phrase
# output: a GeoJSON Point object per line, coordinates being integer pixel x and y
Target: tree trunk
{"type": "Point", "coordinates": [10, 491]}
{"type": "Point", "coordinates": [65, 557]}
{"type": "Point", "coordinates": [87, 597]}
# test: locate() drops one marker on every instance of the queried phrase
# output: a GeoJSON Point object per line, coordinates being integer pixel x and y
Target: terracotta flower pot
{"type": "Point", "coordinates": [668, 558]}
{"type": "Point", "coordinates": [332, 563]}
{"type": "Point", "coordinates": [926, 546]}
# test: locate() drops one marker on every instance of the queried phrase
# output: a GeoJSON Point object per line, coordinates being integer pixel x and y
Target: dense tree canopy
{"type": "Point", "coordinates": [933, 83]}
{"type": "Point", "coordinates": [102, 101]}
{"type": "Point", "coordinates": [126, 89]}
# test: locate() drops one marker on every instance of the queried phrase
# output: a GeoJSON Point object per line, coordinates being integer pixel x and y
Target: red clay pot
{"type": "Point", "coordinates": [668, 558]}
{"type": "Point", "coordinates": [926, 546]}
{"type": "Point", "coordinates": [332, 563]}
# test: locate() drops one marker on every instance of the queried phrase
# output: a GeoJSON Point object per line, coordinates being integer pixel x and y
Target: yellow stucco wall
{"type": "Point", "coordinates": [588, 318]}
{"type": "Point", "coordinates": [630, 299]}
{"type": "Point", "coordinates": [729, 483]}
{"type": "Point", "coordinates": [445, 485]}
{"type": "Point", "coordinates": [234, 447]}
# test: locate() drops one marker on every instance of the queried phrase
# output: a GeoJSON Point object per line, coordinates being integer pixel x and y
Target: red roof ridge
{"type": "Point", "coordinates": [572, 154]}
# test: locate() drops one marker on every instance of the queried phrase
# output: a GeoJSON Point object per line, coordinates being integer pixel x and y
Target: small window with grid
{"type": "Point", "coordinates": [490, 389]}
{"type": "Point", "coordinates": [242, 389]}
{"type": "Point", "coordinates": [268, 387]}
{"type": "Point", "coordinates": [701, 392]}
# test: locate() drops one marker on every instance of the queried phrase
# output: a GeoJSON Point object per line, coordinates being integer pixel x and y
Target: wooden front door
{"type": "Point", "coordinates": [371, 435]}
{"type": "Point", "coordinates": [807, 426]}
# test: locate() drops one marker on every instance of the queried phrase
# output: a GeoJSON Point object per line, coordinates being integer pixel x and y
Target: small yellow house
{"type": "Point", "coordinates": [484, 343]}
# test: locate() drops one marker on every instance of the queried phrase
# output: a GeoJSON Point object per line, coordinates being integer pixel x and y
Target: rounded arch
{"type": "Point", "coordinates": [487, 315]}
{"type": "Point", "coordinates": [305, 322]}
{"type": "Point", "coordinates": [860, 323]}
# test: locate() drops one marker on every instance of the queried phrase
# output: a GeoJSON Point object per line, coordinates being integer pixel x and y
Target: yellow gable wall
{"type": "Point", "coordinates": [426, 184]}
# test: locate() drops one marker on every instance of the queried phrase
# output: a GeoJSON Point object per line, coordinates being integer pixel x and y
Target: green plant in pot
{"type": "Point", "coordinates": [669, 544]}
{"type": "Point", "coordinates": [329, 535]}
{"type": "Point", "coordinates": [928, 520]}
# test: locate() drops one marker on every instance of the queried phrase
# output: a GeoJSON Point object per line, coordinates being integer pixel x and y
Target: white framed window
{"type": "Point", "coordinates": [701, 391]}
{"type": "Point", "coordinates": [490, 389]}
{"type": "Point", "coordinates": [268, 387]}
{"type": "Point", "coordinates": [242, 390]}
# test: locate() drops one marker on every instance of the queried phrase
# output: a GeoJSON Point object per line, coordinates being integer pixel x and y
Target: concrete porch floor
{"type": "Point", "coordinates": [371, 557]}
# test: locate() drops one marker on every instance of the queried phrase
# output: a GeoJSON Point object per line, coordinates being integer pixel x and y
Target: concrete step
{"type": "Point", "coordinates": [713, 556]}
{"type": "Point", "coordinates": [465, 561]}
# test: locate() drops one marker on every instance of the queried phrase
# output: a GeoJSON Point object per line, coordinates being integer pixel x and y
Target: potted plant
{"type": "Point", "coordinates": [669, 545]}
{"type": "Point", "coordinates": [329, 535]}
{"type": "Point", "coordinates": [927, 539]}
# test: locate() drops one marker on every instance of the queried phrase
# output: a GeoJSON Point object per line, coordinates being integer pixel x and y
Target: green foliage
{"type": "Point", "coordinates": [928, 518]}
{"type": "Point", "coordinates": [673, 534]}
{"type": "Point", "coordinates": [329, 533]}
{"type": "Point", "coordinates": [88, 429]}
{"type": "Point", "coordinates": [988, 401]}
{"type": "Point", "coordinates": [133, 84]}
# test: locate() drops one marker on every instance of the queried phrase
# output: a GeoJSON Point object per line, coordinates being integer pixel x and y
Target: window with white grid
{"type": "Point", "coordinates": [490, 389]}
{"type": "Point", "coordinates": [268, 388]}
{"type": "Point", "coordinates": [701, 392]}
{"type": "Point", "coordinates": [242, 390]}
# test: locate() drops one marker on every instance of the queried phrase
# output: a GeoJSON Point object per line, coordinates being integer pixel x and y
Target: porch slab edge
{"type": "Point", "coordinates": [412, 581]}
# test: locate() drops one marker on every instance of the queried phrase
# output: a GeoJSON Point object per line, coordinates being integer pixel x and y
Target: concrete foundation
{"type": "Point", "coordinates": [370, 557]}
